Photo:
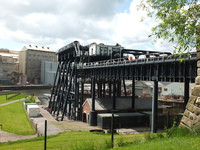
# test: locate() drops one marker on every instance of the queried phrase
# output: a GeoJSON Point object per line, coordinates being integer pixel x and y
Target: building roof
{"type": "Point", "coordinates": [151, 83]}
{"type": "Point", "coordinates": [122, 103]}
{"type": "Point", "coordinates": [9, 53]}
{"type": "Point", "coordinates": [35, 47]}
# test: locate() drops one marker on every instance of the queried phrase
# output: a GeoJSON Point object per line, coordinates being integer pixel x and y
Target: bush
{"type": "Point", "coordinates": [151, 136]}
{"type": "Point", "coordinates": [30, 100]}
{"type": "Point", "coordinates": [183, 131]}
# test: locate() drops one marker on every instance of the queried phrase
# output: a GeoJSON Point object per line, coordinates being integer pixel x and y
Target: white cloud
{"type": "Point", "coordinates": [130, 30]}
{"type": "Point", "coordinates": [57, 23]}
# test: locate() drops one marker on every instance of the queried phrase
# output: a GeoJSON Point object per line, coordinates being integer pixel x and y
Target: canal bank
{"type": "Point", "coordinates": [24, 87]}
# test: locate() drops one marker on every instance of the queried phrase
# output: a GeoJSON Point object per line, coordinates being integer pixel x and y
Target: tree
{"type": "Point", "coordinates": [178, 22]}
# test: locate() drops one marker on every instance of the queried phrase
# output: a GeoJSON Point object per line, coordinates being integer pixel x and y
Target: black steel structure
{"type": "Point", "coordinates": [111, 65]}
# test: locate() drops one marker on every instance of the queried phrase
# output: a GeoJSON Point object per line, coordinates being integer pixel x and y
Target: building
{"type": "Point", "coordinates": [9, 66]}
{"type": "Point", "coordinates": [143, 88]}
{"type": "Point", "coordinates": [30, 61]}
{"type": "Point", "coordinates": [175, 89]}
{"type": "Point", "coordinates": [125, 116]}
{"type": "Point", "coordinates": [48, 72]}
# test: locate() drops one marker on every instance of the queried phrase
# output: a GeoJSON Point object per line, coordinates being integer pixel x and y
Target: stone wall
{"type": "Point", "coordinates": [191, 116]}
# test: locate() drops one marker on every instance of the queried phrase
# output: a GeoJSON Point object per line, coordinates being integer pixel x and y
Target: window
{"type": "Point", "coordinates": [165, 89]}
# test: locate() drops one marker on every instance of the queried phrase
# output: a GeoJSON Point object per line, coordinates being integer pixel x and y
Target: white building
{"type": "Point", "coordinates": [175, 88]}
{"type": "Point", "coordinates": [143, 87]}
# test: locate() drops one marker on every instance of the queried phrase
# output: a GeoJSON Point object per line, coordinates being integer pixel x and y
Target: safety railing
{"type": "Point", "coordinates": [125, 61]}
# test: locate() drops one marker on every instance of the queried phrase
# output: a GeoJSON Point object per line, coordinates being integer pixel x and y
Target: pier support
{"type": "Point", "coordinates": [93, 113]}
{"type": "Point", "coordinates": [154, 120]}
{"type": "Point", "coordinates": [133, 94]}
{"type": "Point", "coordinates": [186, 92]}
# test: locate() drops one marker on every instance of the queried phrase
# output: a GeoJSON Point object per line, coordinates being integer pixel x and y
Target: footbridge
{"type": "Point", "coordinates": [109, 66]}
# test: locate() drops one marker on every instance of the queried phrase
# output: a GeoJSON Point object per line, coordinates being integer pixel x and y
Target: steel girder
{"type": "Point", "coordinates": [174, 71]}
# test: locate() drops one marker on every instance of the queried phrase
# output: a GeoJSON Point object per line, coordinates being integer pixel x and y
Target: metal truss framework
{"type": "Point", "coordinates": [72, 74]}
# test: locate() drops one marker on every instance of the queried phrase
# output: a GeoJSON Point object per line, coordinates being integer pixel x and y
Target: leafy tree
{"type": "Point", "coordinates": [178, 22]}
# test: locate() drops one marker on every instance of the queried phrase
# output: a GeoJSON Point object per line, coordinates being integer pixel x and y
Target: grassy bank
{"type": "Point", "coordinates": [173, 140]}
{"type": "Point", "coordinates": [14, 119]}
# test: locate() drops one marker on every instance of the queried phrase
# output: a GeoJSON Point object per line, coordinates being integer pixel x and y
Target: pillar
{"type": "Point", "coordinates": [154, 108]}
{"type": "Point", "coordinates": [93, 113]}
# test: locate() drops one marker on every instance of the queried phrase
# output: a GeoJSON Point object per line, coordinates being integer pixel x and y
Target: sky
{"type": "Point", "coordinates": [56, 23]}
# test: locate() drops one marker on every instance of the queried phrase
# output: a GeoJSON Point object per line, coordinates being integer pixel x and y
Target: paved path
{"type": "Point", "coordinates": [12, 102]}
{"type": "Point", "coordinates": [40, 121]}
{"type": "Point", "coordinates": [6, 137]}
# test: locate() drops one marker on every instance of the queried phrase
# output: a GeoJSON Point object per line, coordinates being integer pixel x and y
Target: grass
{"type": "Point", "coordinates": [3, 98]}
{"type": "Point", "coordinates": [69, 141]}
{"type": "Point", "coordinates": [172, 140]}
{"type": "Point", "coordinates": [14, 119]}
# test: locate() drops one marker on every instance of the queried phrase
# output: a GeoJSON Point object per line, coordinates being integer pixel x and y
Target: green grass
{"type": "Point", "coordinates": [94, 141]}
{"type": "Point", "coordinates": [14, 119]}
{"type": "Point", "coordinates": [174, 143]}
{"type": "Point", "coordinates": [69, 141]}
{"type": "Point", "coordinates": [3, 98]}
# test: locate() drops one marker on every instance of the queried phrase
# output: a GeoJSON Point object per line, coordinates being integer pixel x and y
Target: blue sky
{"type": "Point", "coordinates": [56, 23]}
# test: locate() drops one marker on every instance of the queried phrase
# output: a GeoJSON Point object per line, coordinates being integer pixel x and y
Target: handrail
{"type": "Point", "coordinates": [125, 61]}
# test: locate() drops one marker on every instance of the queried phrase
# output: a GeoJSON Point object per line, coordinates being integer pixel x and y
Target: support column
{"type": "Point", "coordinates": [100, 88]}
{"type": "Point", "coordinates": [133, 94]}
{"type": "Point", "coordinates": [186, 92]}
{"type": "Point", "coordinates": [109, 89]}
{"type": "Point", "coordinates": [82, 100]}
{"type": "Point", "coordinates": [114, 96]}
{"type": "Point", "coordinates": [119, 88]}
{"type": "Point", "coordinates": [54, 85]}
{"type": "Point", "coordinates": [124, 84]}
{"type": "Point", "coordinates": [154, 121]}
{"type": "Point", "coordinates": [77, 110]}
{"type": "Point", "coordinates": [93, 113]}
{"type": "Point", "coordinates": [104, 89]}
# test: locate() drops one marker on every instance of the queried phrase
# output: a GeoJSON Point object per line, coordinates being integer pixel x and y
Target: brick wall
{"type": "Point", "coordinates": [86, 109]}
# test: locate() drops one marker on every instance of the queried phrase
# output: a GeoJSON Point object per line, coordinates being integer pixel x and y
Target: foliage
{"type": "Point", "coordinates": [151, 136]}
{"type": "Point", "coordinates": [178, 22]}
{"type": "Point", "coordinates": [14, 119]}
{"type": "Point", "coordinates": [30, 100]}
{"type": "Point", "coordinates": [183, 131]}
